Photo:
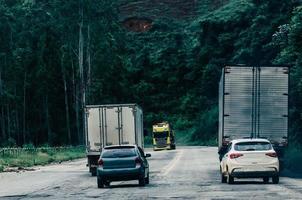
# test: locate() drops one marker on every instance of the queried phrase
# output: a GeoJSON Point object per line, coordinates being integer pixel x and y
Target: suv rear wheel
{"type": "Point", "coordinates": [230, 179]}
{"type": "Point", "coordinates": [147, 179]}
{"type": "Point", "coordinates": [223, 178]}
{"type": "Point", "coordinates": [107, 183]}
{"type": "Point", "coordinates": [265, 179]}
{"type": "Point", "coordinates": [275, 179]}
{"type": "Point", "coordinates": [142, 181]}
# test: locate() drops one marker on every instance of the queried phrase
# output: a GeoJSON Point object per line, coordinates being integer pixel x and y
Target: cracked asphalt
{"type": "Point", "coordinates": [186, 173]}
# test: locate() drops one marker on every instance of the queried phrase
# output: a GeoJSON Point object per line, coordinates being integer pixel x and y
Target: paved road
{"type": "Point", "coordinates": [187, 173]}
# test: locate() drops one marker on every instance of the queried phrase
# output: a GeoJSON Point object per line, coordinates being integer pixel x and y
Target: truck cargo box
{"type": "Point", "coordinates": [107, 125]}
{"type": "Point", "coordinates": [253, 102]}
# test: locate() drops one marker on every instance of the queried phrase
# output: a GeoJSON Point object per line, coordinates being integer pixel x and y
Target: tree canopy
{"type": "Point", "coordinates": [52, 51]}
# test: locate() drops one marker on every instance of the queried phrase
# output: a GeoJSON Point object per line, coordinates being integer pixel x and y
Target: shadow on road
{"type": "Point", "coordinates": [125, 186]}
{"type": "Point", "coordinates": [258, 182]}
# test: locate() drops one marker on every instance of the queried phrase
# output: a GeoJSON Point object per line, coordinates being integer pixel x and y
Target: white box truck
{"type": "Point", "coordinates": [253, 103]}
{"type": "Point", "coordinates": [107, 125]}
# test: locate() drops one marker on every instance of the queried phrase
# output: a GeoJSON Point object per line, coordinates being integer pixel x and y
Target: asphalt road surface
{"type": "Point", "coordinates": [186, 173]}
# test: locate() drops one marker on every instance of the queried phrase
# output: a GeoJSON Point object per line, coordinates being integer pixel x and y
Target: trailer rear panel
{"type": "Point", "coordinates": [112, 125]}
{"type": "Point", "coordinates": [253, 102]}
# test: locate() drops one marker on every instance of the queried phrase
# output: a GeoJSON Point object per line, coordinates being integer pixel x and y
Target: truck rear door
{"type": "Point", "coordinates": [273, 103]}
{"type": "Point", "coordinates": [238, 98]}
{"type": "Point", "coordinates": [93, 129]}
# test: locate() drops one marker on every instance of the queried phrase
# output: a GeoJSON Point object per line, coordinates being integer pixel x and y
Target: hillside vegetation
{"type": "Point", "coordinates": [51, 50]}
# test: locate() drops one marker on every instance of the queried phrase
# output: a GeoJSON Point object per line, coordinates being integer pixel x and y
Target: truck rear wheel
{"type": "Point", "coordinates": [93, 171]}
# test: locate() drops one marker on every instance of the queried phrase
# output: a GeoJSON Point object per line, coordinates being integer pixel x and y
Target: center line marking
{"type": "Point", "coordinates": [172, 164]}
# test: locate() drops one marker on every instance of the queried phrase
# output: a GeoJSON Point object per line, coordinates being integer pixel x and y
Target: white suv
{"type": "Point", "coordinates": [250, 158]}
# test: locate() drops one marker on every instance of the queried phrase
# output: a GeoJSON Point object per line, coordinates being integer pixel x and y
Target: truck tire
{"type": "Point", "coordinates": [93, 171]}
{"type": "Point", "coordinates": [100, 183]}
{"type": "Point", "coordinates": [275, 179]}
{"type": "Point", "coordinates": [142, 181]}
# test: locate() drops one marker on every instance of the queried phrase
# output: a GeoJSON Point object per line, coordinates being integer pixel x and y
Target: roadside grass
{"type": "Point", "coordinates": [40, 157]}
{"type": "Point", "coordinates": [148, 141]}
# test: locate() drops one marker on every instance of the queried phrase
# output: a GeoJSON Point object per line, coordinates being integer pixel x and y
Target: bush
{"type": "Point", "coordinates": [148, 140]}
{"type": "Point", "coordinates": [293, 158]}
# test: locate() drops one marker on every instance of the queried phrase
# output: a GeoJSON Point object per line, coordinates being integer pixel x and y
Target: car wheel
{"type": "Point", "coordinates": [100, 183]}
{"type": "Point", "coordinates": [275, 179]}
{"type": "Point", "coordinates": [230, 179]}
{"type": "Point", "coordinates": [142, 181]}
{"type": "Point", "coordinates": [223, 178]}
{"type": "Point", "coordinates": [107, 183]}
{"type": "Point", "coordinates": [147, 179]}
{"type": "Point", "coordinates": [265, 179]}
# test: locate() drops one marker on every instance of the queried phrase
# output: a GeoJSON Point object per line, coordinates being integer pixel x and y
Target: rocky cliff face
{"type": "Point", "coordinates": [138, 15]}
{"type": "Point", "coordinates": [159, 8]}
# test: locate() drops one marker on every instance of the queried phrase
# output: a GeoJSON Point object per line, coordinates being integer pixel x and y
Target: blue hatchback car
{"type": "Point", "coordinates": [122, 163]}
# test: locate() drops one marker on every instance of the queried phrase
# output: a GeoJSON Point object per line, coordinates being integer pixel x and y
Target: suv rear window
{"type": "Point", "coordinates": [252, 146]}
{"type": "Point", "coordinates": [119, 153]}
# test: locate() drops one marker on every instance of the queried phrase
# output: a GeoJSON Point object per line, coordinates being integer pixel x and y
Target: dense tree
{"type": "Point", "coordinates": [166, 56]}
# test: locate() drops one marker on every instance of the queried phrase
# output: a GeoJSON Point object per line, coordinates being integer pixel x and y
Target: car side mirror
{"type": "Point", "coordinates": [148, 155]}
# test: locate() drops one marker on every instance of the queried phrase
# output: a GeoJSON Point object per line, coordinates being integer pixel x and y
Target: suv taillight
{"type": "Point", "coordinates": [272, 154]}
{"type": "Point", "coordinates": [235, 155]}
{"type": "Point", "coordinates": [138, 162]}
{"type": "Point", "coordinates": [100, 162]}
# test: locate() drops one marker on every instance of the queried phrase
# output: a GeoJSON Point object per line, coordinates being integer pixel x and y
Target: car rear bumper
{"type": "Point", "coordinates": [240, 173]}
{"type": "Point", "coordinates": [120, 174]}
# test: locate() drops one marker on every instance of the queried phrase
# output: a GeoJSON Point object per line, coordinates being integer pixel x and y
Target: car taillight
{"type": "Point", "coordinates": [138, 162]}
{"type": "Point", "coordinates": [272, 154]}
{"type": "Point", "coordinates": [100, 162]}
{"type": "Point", "coordinates": [235, 155]}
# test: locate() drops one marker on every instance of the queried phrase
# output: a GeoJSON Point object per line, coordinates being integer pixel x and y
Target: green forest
{"type": "Point", "coordinates": [166, 56]}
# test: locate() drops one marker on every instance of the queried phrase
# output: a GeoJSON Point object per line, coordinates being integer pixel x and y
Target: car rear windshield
{"type": "Point", "coordinates": [252, 146]}
{"type": "Point", "coordinates": [119, 153]}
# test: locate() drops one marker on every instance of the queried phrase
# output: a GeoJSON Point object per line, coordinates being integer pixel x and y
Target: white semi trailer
{"type": "Point", "coordinates": [117, 124]}
{"type": "Point", "coordinates": [253, 103]}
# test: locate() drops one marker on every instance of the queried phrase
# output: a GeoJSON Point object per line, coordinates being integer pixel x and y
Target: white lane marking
{"type": "Point", "coordinates": [172, 164]}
